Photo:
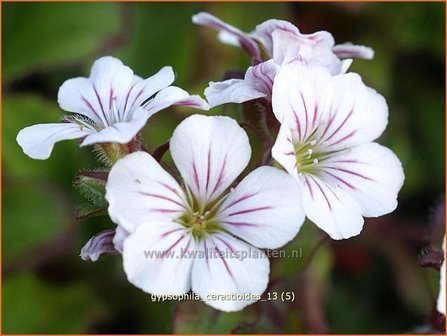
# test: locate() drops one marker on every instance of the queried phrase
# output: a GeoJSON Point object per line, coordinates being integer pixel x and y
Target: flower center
{"type": "Point", "coordinates": [306, 157]}
{"type": "Point", "coordinates": [199, 223]}
{"type": "Point", "coordinates": [200, 219]}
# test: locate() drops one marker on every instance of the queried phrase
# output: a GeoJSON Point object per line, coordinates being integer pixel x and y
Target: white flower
{"type": "Point", "coordinates": [112, 105]}
{"type": "Point", "coordinates": [208, 236]}
{"type": "Point", "coordinates": [276, 42]}
{"type": "Point", "coordinates": [441, 295]}
{"type": "Point", "coordinates": [328, 124]}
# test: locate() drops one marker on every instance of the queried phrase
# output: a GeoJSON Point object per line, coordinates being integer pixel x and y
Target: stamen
{"type": "Point", "coordinates": [218, 203]}
{"type": "Point", "coordinates": [83, 123]}
{"type": "Point", "coordinates": [189, 197]}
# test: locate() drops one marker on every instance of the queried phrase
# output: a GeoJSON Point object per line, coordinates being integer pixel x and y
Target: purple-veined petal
{"type": "Point", "coordinates": [77, 95]}
{"type": "Point", "coordinates": [314, 49]}
{"type": "Point", "coordinates": [264, 31]}
{"type": "Point", "coordinates": [157, 258]}
{"type": "Point", "coordinates": [440, 304]}
{"type": "Point", "coordinates": [264, 209]}
{"type": "Point", "coordinates": [99, 244]}
{"type": "Point", "coordinates": [358, 114]}
{"type": "Point", "coordinates": [348, 50]}
{"type": "Point", "coordinates": [283, 150]}
{"type": "Point", "coordinates": [244, 40]}
{"type": "Point", "coordinates": [121, 132]}
{"type": "Point", "coordinates": [301, 96]}
{"type": "Point", "coordinates": [331, 208]}
{"type": "Point", "coordinates": [258, 82]}
{"type": "Point", "coordinates": [232, 91]}
{"type": "Point", "coordinates": [95, 96]}
{"type": "Point", "coordinates": [173, 95]}
{"type": "Point", "coordinates": [140, 191]}
{"type": "Point", "coordinates": [263, 75]}
{"type": "Point", "coordinates": [37, 141]}
{"type": "Point", "coordinates": [228, 266]}
{"type": "Point", "coordinates": [209, 152]}
{"type": "Point", "coordinates": [194, 101]}
{"type": "Point", "coordinates": [141, 90]}
{"type": "Point", "coordinates": [370, 173]}
{"type": "Point", "coordinates": [111, 80]}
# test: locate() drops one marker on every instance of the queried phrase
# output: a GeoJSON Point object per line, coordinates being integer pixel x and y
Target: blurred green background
{"type": "Point", "coordinates": [368, 284]}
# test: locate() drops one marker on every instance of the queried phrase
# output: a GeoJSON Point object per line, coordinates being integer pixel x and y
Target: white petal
{"type": "Point", "coordinates": [302, 95]}
{"type": "Point", "coordinates": [120, 236]}
{"type": "Point", "coordinates": [348, 50]}
{"type": "Point", "coordinates": [78, 95]}
{"type": "Point", "coordinates": [210, 152]}
{"type": "Point", "coordinates": [263, 75]}
{"type": "Point", "coordinates": [94, 97]}
{"type": "Point", "coordinates": [331, 208]}
{"type": "Point", "coordinates": [37, 141]}
{"type": "Point", "coordinates": [111, 79]}
{"type": "Point", "coordinates": [283, 150]}
{"type": "Point", "coordinates": [231, 91]}
{"type": "Point", "coordinates": [141, 90]}
{"type": "Point", "coordinates": [229, 267]}
{"type": "Point", "coordinates": [194, 101]}
{"type": "Point", "coordinates": [121, 132]}
{"type": "Point", "coordinates": [157, 258]}
{"type": "Point", "coordinates": [173, 95]}
{"type": "Point", "coordinates": [264, 32]}
{"type": "Point", "coordinates": [140, 191]}
{"type": "Point", "coordinates": [258, 82]}
{"type": "Point", "coordinates": [264, 209]}
{"type": "Point", "coordinates": [315, 49]}
{"type": "Point", "coordinates": [345, 64]}
{"type": "Point", "coordinates": [247, 43]}
{"type": "Point", "coordinates": [440, 304]}
{"type": "Point", "coordinates": [228, 38]}
{"type": "Point", "coordinates": [370, 173]}
{"type": "Point", "coordinates": [358, 114]}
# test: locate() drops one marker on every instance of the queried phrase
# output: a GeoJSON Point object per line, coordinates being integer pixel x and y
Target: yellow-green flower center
{"type": "Point", "coordinates": [308, 156]}
{"type": "Point", "coordinates": [201, 219]}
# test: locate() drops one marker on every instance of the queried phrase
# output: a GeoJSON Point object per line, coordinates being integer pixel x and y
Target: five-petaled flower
{"type": "Point", "coordinates": [328, 124]}
{"type": "Point", "coordinates": [204, 215]}
{"type": "Point", "coordinates": [272, 44]}
{"type": "Point", "coordinates": [112, 105]}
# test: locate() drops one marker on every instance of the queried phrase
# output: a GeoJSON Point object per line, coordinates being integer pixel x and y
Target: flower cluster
{"type": "Point", "coordinates": [324, 163]}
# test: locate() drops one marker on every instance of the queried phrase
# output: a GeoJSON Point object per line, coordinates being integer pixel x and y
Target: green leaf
{"type": "Point", "coordinates": [293, 257]}
{"type": "Point", "coordinates": [87, 211]}
{"type": "Point", "coordinates": [156, 39]}
{"type": "Point", "coordinates": [92, 185]}
{"type": "Point", "coordinates": [194, 317]}
{"type": "Point", "coordinates": [39, 35]}
{"type": "Point", "coordinates": [33, 306]}
{"type": "Point", "coordinates": [33, 215]}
